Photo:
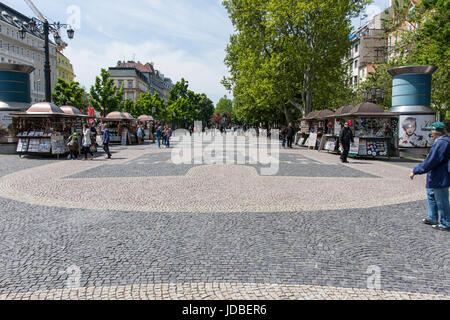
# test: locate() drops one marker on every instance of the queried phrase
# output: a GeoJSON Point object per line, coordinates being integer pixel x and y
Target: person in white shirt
{"type": "Point", "coordinates": [87, 142]}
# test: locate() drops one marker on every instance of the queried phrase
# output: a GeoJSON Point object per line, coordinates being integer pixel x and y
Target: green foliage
{"type": "Point", "coordinates": [284, 55]}
{"type": "Point", "coordinates": [104, 94]}
{"type": "Point", "coordinates": [187, 105]}
{"type": "Point", "coordinates": [426, 44]}
{"type": "Point", "coordinates": [69, 93]}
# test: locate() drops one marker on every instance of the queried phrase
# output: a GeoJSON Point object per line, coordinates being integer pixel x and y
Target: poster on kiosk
{"type": "Point", "coordinates": [412, 131]}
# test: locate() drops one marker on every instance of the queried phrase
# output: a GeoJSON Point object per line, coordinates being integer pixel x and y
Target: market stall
{"type": "Point", "coordinates": [313, 127]}
{"type": "Point", "coordinates": [122, 128]}
{"type": "Point", "coordinates": [334, 123]}
{"type": "Point", "coordinates": [375, 131]}
{"type": "Point", "coordinates": [44, 128]}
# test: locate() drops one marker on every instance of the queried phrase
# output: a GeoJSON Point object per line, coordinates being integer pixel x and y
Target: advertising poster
{"type": "Point", "coordinates": [5, 127]}
{"type": "Point", "coordinates": [412, 131]}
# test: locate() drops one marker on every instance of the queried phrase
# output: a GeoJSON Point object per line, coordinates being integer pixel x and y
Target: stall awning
{"type": "Point", "coordinates": [368, 109]}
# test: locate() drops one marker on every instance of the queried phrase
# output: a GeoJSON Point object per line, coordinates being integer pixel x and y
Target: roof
{"type": "Point", "coordinates": [369, 109]}
{"type": "Point", "coordinates": [145, 118]}
{"type": "Point", "coordinates": [44, 108]}
{"type": "Point", "coordinates": [71, 110]}
{"type": "Point", "coordinates": [341, 111]}
{"type": "Point", "coordinates": [319, 115]}
{"type": "Point", "coordinates": [127, 72]}
{"type": "Point", "coordinates": [14, 13]}
{"type": "Point", "coordinates": [145, 68]}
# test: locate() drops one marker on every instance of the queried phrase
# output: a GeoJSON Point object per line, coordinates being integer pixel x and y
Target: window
{"type": "Point", "coordinates": [131, 96]}
{"type": "Point", "coordinates": [120, 83]}
{"type": "Point", "coordinates": [130, 84]}
{"type": "Point", "coordinates": [356, 48]}
{"type": "Point", "coordinates": [356, 63]}
{"type": "Point", "coordinates": [1, 44]}
{"type": "Point", "coordinates": [355, 80]}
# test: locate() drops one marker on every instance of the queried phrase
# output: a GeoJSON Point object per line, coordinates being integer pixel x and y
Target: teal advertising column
{"type": "Point", "coordinates": [411, 98]}
{"type": "Point", "coordinates": [15, 96]}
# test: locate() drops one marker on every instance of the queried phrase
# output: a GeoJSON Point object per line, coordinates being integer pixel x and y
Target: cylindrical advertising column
{"type": "Point", "coordinates": [15, 96]}
{"type": "Point", "coordinates": [411, 98]}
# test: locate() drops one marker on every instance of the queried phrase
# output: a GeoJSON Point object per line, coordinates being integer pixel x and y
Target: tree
{"type": "Point", "coordinates": [104, 94]}
{"type": "Point", "coordinates": [283, 57]}
{"type": "Point", "coordinates": [425, 44]}
{"type": "Point", "coordinates": [69, 93]}
{"type": "Point", "coordinates": [224, 105]}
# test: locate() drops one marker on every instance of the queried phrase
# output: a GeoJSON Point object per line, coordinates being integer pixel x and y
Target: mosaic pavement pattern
{"type": "Point", "coordinates": [318, 252]}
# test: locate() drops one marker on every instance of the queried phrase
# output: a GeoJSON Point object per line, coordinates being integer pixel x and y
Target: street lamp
{"type": "Point", "coordinates": [45, 28]}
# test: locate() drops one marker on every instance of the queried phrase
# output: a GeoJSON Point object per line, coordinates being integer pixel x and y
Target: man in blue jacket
{"type": "Point", "coordinates": [438, 181]}
{"type": "Point", "coordinates": [106, 139]}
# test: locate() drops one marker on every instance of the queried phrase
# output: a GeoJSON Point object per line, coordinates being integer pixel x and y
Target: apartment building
{"type": "Point", "coordinates": [156, 81]}
{"type": "Point", "coordinates": [398, 29]}
{"type": "Point", "coordinates": [64, 69]}
{"type": "Point", "coordinates": [29, 51]}
{"type": "Point", "coordinates": [134, 81]}
{"type": "Point", "coordinates": [369, 48]}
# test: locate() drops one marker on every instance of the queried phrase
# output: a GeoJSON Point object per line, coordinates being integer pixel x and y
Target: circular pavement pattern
{"type": "Point", "coordinates": [140, 227]}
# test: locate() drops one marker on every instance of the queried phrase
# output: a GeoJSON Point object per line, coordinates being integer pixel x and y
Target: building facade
{"type": "Point", "coordinates": [369, 48]}
{"type": "Point", "coordinates": [155, 79]}
{"type": "Point", "coordinates": [64, 69]}
{"type": "Point", "coordinates": [399, 29]}
{"type": "Point", "coordinates": [29, 51]}
{"type": "Point", "coordinates": [133, 81]}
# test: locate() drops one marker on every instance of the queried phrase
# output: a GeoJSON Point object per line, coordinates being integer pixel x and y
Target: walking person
{"type": "Point", "coordinates": [158, 135]}
{"type": "Point", "coordinates": [140, 135]}
{"type": "Point", "coordinates": [437, 166]}
{"type": "Point", "coordinates": [106, 138]}
{"type": "Point", "coordinates": [283, 136]}
{"type": "Point", "coordinates": [346, 138]}
{"type": "Point", "coordinates": [87, 142]}
{"type": "Point", "coordinates": [168, 135]}
{"type": "Point", "coordinates": [72, 143]}
{"type": "Point", "coordinates": [290, 133]}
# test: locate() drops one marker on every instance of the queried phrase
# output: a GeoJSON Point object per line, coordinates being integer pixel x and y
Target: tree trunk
{"type": "Point", "coordinates": [288, 114]}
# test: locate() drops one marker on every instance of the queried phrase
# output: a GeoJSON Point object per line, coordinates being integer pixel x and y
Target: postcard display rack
{"type": "Point", "coordinates": [373, 137]}
{"type": "Point", "coordinates": [39, 142]}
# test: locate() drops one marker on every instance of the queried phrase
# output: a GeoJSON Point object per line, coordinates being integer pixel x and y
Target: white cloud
{"type": "Point", "coordinates": [183, 38]}
{"type": "Point", "coordinates": [203, 72]}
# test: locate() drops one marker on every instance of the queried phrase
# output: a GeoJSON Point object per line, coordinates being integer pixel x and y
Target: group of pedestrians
{"type": "Point", "coordinates": [287, 136]}
{"type": "Point", "coordinates": [163, 135]}
{"type": "Point", "coordinates": [88, 144]}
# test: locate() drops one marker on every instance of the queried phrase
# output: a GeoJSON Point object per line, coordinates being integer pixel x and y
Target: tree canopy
{"type": "Point", "coordinates": [284, 59]}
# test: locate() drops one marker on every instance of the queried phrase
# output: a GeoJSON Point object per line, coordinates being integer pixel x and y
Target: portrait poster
{"type": "Point", "coordinates": [412, 132]}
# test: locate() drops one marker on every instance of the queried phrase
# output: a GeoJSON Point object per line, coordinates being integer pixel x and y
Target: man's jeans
{"type": "Point", "coordinates": [438, 205]}
{"type": "Point", "coordinates": [158, 137]}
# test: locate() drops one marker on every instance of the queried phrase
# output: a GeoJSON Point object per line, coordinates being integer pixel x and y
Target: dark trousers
{"type": "Point", "coordinates": [290, 141]}
{"type": "Point", "coordinates": [87, 150]}
{"type": "Point", "coordinates": [344, 154]}
{"type": "Point", "coordinates": [106, 148]}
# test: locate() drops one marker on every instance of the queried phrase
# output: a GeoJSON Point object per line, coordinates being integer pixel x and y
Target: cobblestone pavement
{"type": "Point", "coordinates": [316, 252]}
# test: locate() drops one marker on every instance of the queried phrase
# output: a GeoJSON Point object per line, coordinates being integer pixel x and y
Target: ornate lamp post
{"type": "Point", "coordinates": [45, 28]}
{"type": "Point", "coordinates": [374, 95]}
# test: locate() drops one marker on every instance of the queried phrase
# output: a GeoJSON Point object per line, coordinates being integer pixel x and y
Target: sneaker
{"type": "Point", "coordinates": [440, 227]}
{"type": "Point", "coordinates": [429, 223]}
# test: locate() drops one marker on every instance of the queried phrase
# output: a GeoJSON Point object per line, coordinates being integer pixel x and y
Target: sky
{"type": "Point", "coordinates": [183, 38]}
